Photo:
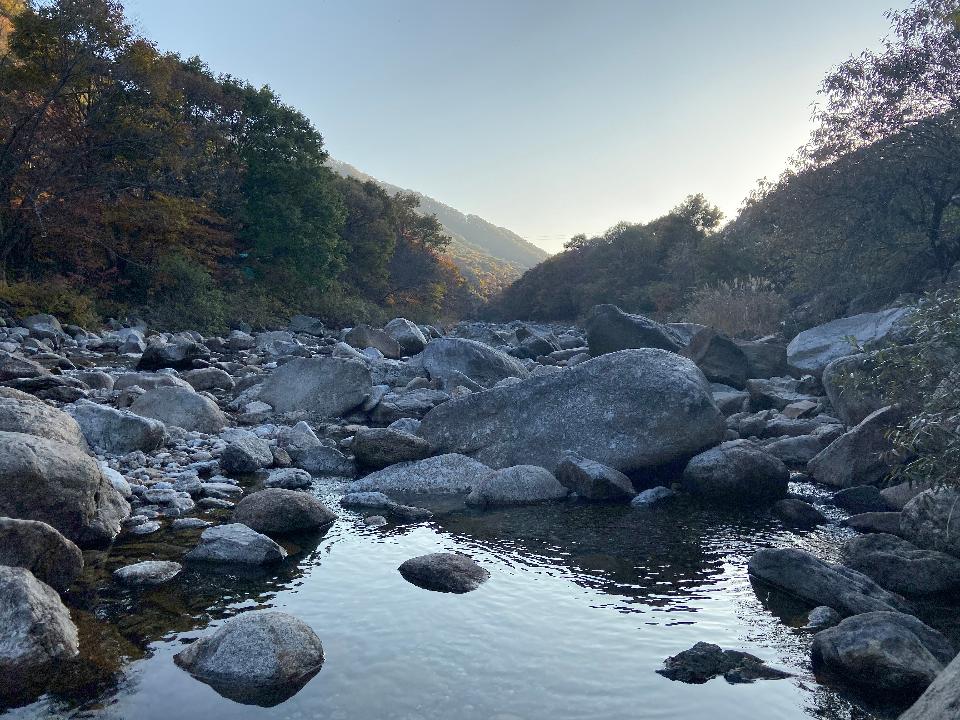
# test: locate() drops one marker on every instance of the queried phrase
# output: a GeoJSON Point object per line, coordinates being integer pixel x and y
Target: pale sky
{"type": "Point", "coordinates": [547, 117]}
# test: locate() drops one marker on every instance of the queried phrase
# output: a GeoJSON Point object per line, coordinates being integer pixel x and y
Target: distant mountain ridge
{"type": "Point", "coordinates": [488, 255]}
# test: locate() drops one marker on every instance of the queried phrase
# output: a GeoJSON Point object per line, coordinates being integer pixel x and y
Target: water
{"type": "Point", "coordinates": [583, 604]}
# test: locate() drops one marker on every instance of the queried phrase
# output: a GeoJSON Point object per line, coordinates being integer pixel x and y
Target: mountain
{"type": "Point", "coordinates": [489, 256]}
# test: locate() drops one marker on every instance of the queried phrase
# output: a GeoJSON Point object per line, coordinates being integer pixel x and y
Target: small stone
{"type": "Point", "coordinates": [148, 572]}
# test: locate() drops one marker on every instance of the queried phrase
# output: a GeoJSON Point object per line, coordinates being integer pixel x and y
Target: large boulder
{"type": "Point", "coordinates": [812, 350]}
{"type": "Point", "coordinates": [276, 511]}
{"type": "Point", "coordinates": [518, 485]}
{"type": "Point", "coordinates": [932, 520]}
{"type": "Point", "coordinates": [23, 413]}
{"type": "Point", "coordinates": [449, 359]}
{"type": "Point", "coordinates": [209, 378]}
{"type": "Point", "coordinates": [444, 572]}
{"type": "Point", "coordinates": [44, 326]}
{"type": "Point", "coordinates": [736, 472]}
{"type": "Point", "coordinates": [630, 410]}
{"type": "Point", "coordinates": [851, 397]}
{"type": "Point", "coordinates": [181, 407]}
{"type": "Point", "coordinates": [941, 699]}
{"type": "Point", "coordinates": [764, 359]}
{"type": "Point", "coordinates": [363, 336]}
{"type": "Point", "coordinates": [39, 548]}
{"type": "Point", "coordinates": [377, 448]}
{"type": "Point", "coordinates": [591, 480]}
{"type": "Point", "coordinates": [407, 334]}
{"type": "Point", "coordinates": [804, 576]}
{"type": "Point", "coordinates": [719, 357]}
{"type": "Point", "coordinates": [245, 453]}
{"type": "Point", "coordinates": [14, 367]}
{"type": "Point", "coordinates": [887, 652]}
{"type": "Point", "coordinates": [609, 329]}
{"type": "Point", "coordinates": [901, 566]}
{"type": "Point", "coordinates": [451, 473]}
{"type": "Point", "coordinates": [306, 325]}
{"type": "Point", "coordinates": [114, 431]}
{"type": "Point", "coordinates": [324, 387]}
{"type": "Point", "coordinates": [61, 485]}
{"type": "Point", "coordinates": [179, 354]}
{"type": "Point", "coordinates": [856, 457]}
{"type": "Point", "coordinates": [236, 543]}
{"type": "Point", "coordinates": [260, 657]}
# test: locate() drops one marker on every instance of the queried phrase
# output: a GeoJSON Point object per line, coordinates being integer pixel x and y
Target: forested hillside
{"type": "Point", "coordinates": [136, 181]}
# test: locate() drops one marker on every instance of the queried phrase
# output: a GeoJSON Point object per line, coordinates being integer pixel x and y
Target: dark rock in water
{"type": "Point", "coordinates": [448, 359]}
{"type": "Point", "coordinates": [591, 480]}
{"type": "Point", "coordinates": [444, 572]}
{"type": "Point", "coordinates": [653, 496]}
{"type": "Point", "coordinates": [875, 522]}
{"type": "Point", "coordinates": [719, 357]}
{"type": "Point", "coordinates": [705, 661]}
{"type": "Point", "coordinates": [931, 521]}
{"type": "Point", "coordinates": [901, 566]}
{"type": "Point", "coordinates": [364, 336]}
{"type": "Point", "coordinates": [884, 652]}
{"type": "Point", "coordinates": [378, 448]}
{"type": "Point", "coordinates": [261, 657]}
{"type": "Point", "coordinates": [379, 501]}
{"type": "Point", "coordinates": [736, 472]}
{"type": "Point", "coordinates": [236, 544]}
{"type": "Point", "coordinates": [941, 699]}
{"type": "Point", "coordinates": [42, 550]}
{"type": "Point", "coordinates": [179, 355]}
{"type": "Point", "coordinates": [804, 576]}
{"type": "Point", "coordinates": [609, 329]}
{"type": "Point", "coordinates": [148, 572]}
{"type": "Point", "coordinates": [856, 457]}
{"type": "Point", "coordinates": [276, 511]}
{"type": "Point", "coordinates": [861, 499]}
{"type": "Point", "coordinates": [798, 513]}
{"type": "Point", "coordinates": [518, 485]}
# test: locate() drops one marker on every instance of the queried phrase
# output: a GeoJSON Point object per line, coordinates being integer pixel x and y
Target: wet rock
{"type": "Point", "coordinates": [23, 413]}
{"type": "Point", "coordinates": [941, 699]}
{"type": "Point", "coordinates": [887, 652]}
{"type": "Point", "coordinates": [609, 329]}
{"type": "Point", "coordinates": [276, 511]}
{"type": "Point", "coordinates": [324, 387]}
{"type": "Point", "coordinates": [245, 453]}
{"type": "Point", "coordinates": [378, 448]}
{"type": "Point", "coordinates": [630, 410]}
{"type": "Point", "coordinates": [209, 378]}
{"type": "Point", "coordinates": [58, 484]}
{"type": "Point", "coordinates": [591, 480]}
{"type": "Point", "coordinates": [289, 478]}
{"type": "Point", "coordinates": [450, 473]}
{"type": "Point", "coordinates": [875, 522]}
{"type": "Point", "coordinates": [179, 355]}
{"type": "Point", "coordinates": [189, 524]}
{"type": "Point", "coordinates": [118, 432]}
{"type": "Point", "coordinates": [375, 521]}
{"type": "Point", "coordinates": [736, 472]}
{"type": "Point", "coordinates": [147, 527]}
{"type": "Point", "coordinates": [448, 359]}
{"type": "Point", "coordinates": [444, 572]}
{"type": "Point", "coordinates": [181, 408]}
{"type": "Point", "coordinates": [861, 499]}
{"type": "Point", "coordinates": [822, 617]}
{"type": "Point", "coordinates": [148, 572]}
{"type": "Point", "coordinates": [812, 350]}
{"type": "Point", "coordinates": [236, 543]}
{"type": "Point", "coordinates": [902, 567]}
{"type": "Point", "coordinates": [653, 496]}
{"type": "Point", "coordinates": [705, 661]}
{"type": "Point", "coordinates": [260, 657]}
{"type": "Point", "coordinates": [719, 357]}
{"type": "Point", "coordinates": [518, 485]}
{"type": "Point", "coordinates": [39, 548]}
{"type": "Point", "coordinates": [364, 336]}
{"type": "Point", "coordinates": [798, 513]}
{"type": "Point", "coordinates": [802, 575]}
{"type": "Point", "coordinates": [932, 520]}
{"type": "Point", "coordinates": [856, 457]}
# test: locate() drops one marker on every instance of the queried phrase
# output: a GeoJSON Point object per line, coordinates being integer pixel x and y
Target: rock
{"type": "Point", "coordinates": [518, 485]}
{"type": "Point", "coordinates": [289, 478]}
{"type": "Point", "coordinates": [145, 528]}
{"type": "Point", "coordinates": [653, 496]}
{"type": "Point", "coordinates": [37, 629]}
{"type": "Point", "coordinates": [941, 699]}
{"type": "Point", "coordinates": [764, 359]}
{"type": "Point", "coordinates": [276, 511]}
{"type": "Point", "coordinates": [148, 381]}
{"type": "Point", "coordinates": [412, 404]}
{"type": "Point", "coordinates": [96, 379]}
{"type": "Point", "coordinates": [444, 572]}
{"type": "Point", "coordinates": [297, 439]}
{"type": "Point", "coordinates": [802, 575]}
{"type": "Point", "coordinates": [324, 461]}
{"type": "Point", "coordinates": [378, 501]}
{"type": "Point", "coordinates": [902, 567]}
{"type": "Point", "coordinates": [796, 451]}
{"type": "Point", "coordinates": [449, 473]}
{"type": "Point", "coordinates": [42, 550]}
{"type": "Point", "coordinates": [182, 408]}
{"type": "Point", "coordinates": [736, 471]}
{"type": "Point", "coordinates": [897, 496]}
{"type": "Point", "coordinates": [58, 484]}
{"type": "Point", "coordinates": [799, 409]}
{"type": "Point", "coordinates": [812, 350]}
{"type": "Point", "coordinates": [323, 387]}
{"type": "Point", "coordinates": [449, 359]}
{"type": "Point", "coordinates": [630, 410]}
{"type": "Point", "coordinates": [375, 521]}
{"type": "Point", "coordinates": [705, 661]}
{"type": "Point", "coordinates": [237, 544]}
{"type": "Point", "coordinates": [306, 325]}
{"type": "Point", "coordinates": [850, 397]}
{"type": "Point", "coordinates": [14, 367]}
{"type": "Point", "coordinates": [238, 340]}
{"type": "Point", "coordinates": [728, 399]}
{"type": "Point", "coordinates": [932, 520]}
{"type": "Point", "coordinates": [860, 499]}
{"type": "Point", "coordinates": [51, 387]}
{"type": "Point", "coordinates": [719, 357]}
{"type": "Point", "coordinates": [822, 617]}
{"type": "Point", "coordinates": [117, 432]}
{"type": "Point", "coordinates": [364, 336]}
{"type": "Point", "coordinates": [875, 522]}
{"type": "Point", "coordinates": [148, 572]}
{"type": "Point", "coordinates": [23, 413]}
{"type": "Point", "coordinates": [775, 393]}
{"type": "Point", "coordinates": [45, 327]}
{"type": "Point", "coordinates": [209, 378]}
{"type": "Point", "coordinates": [855, 458]}
{"type": "Point", "coordinates": [408, 335]}
{"type": "Point", "coordinates": [591, 480]}
{"type": "Point", "coordinates": [377, 448]}
{"type": "Point", "coordinates": [245, 453]}
{"type": "Point", "coordinates": [260, 657]}
{"type": "Point", "coordinates": [189, 524]}
{"type": "Point", "coordinates": [798, 513]}
{"type": "Point", "coordinates": [609, 329]}
{"type": "Point", "coordinates": [887, 652]}
{"type": "Point", "coordinates": [179, 355]}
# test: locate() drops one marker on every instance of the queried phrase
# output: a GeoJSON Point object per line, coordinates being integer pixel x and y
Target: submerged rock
{"type": "Point", "coordinates": [236, 543]}
{"type": "Point", "coordinates": [148, 572]}
{"type": "Point", "coordinates": [653, 496]}
{"type": "Point", "coordinates": [444, 572]}
{"type": "Point", "coordinates": [705, 661]}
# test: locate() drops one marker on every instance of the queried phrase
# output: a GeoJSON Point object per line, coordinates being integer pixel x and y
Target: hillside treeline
{"type": "Point", "coordinates": [136, 181]}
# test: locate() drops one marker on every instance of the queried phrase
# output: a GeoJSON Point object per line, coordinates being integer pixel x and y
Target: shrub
{"type": "Point", "coordinates": [185, 296]}
{"type": "Point", "coordinates": [58, 297]}
{"type": "Point", "coordinates": [739, 308]}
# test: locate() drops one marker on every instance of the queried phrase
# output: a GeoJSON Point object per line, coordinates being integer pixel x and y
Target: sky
{"type": "Point", "coordinates": [547, 117]}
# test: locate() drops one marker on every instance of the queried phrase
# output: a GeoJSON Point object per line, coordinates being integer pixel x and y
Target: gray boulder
{"type": "Point", "coordinates": [148, 380]}
{"type": "Point", "coordinates": [363, 336]}
{"type": "Point", "coordinates": [444, 572]}
{"type": "Point", "coordinates": [276, 511]}
{"type": "Point", "coordinates": [764, 359]}
{"type": "Point", "coordinates": [795, 450]}
{"type": "Point", "coordinates": [630, 410]}
{"type": "Point", "coordinates": [297, 439]}
{"type": "Point", "coordinates": [736, 472]}
{"type": "Point", "coordinates": [843, 382]}
{"type": "Point", "coordinates": [451, 473]}
{"type": "Point", "coordinates": [306, 325]}
{"type": "Point", "coordinates": [875, 522]}
{"type": "Point", "coordinates": [23, 413]}
{"type": "Point", "coordinates": [609, 329]}
{"type": "Point", "coordinates": [448, 359]}
{"type": "Point", "coordinates": [812, 350]}
{"type": "Point", "coordinates": [802, 575]}
{"type": "Point", "coordinates": [178, 354]}
{"type": "Point", "coordinates": [61, 485]}
{"type": "Point", "coordinates": [407, 334]}
{"type": "Point", "coordinates": [798, 513]}
{"type": "Point", "coordinates": [901, 566]}
{"type": "Point", "coordinates": [209, 378]}
{"type": "Point", "coordinates": [42, 550]}
{"type": "Point", "coordinates": [325, 461]}
{"type": "Point", "coordinates": [410, 404]}
{"type": "Point", "coordinates": [324, 387]}
{"type": "Point", "coordinates": [705, 661]}
{"type": "Point", "coordinates": [887, 652]}
{"type": "Point", "coordinates": [148, 572]}
{"type": "Point", "coordinates": [45, 327]}
{"type": "Point", "coordinates": [518, 485]}
{"type": "Point", "coordinates": [775, 392]}
{"type": "Point", "coordinates": [114, 431]}
{"type": "Point", "coordinates": [653, 496]}
{"type": "Point", "coordinates": [377, 448]}
{"type": "Point", "coordinates": [288, 478]}
{"type": "Point", "coordinates": [236, 543]}
{"type": "Point", "coordinates": [941, 699]}
{"type": "Point", "coordinates": [856, 457]}
{"type": "Point", "coordinates": [245, 453]}
{"type": "Point", "coordinates": [260, 657]}
{"type": "Point", "coordinates": [932, 520]}
{"type": "Point", "coordinates": [719, 357]}
{"type": "Point", "coordinates": [591, 480]}
{"type": "Point", "coordinates": [861, 499]}
{"type": "Point", "coordinates": [15, 367]}
{"type": "Point", "coordinates": [182, 408]}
